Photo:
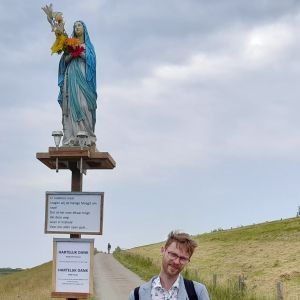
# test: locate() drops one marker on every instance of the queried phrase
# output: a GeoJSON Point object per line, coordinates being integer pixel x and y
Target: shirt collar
{"type": "Point", "coordinates": [157, 284]}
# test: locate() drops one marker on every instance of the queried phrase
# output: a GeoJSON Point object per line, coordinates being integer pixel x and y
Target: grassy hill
{"type": "Point", "coordinates": [6, 271]}
{"type": "Point", "coordinates": [263, 254]}
{"type": "Point", "coordinates": [29, 284]}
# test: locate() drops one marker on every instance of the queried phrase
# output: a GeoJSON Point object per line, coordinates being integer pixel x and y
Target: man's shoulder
{"type": "Point", "coordinates": [143, 288]}
{"type": "Point", "coordinates": [148, 284]}
{"type": "Point", "coordinates": [201, 290]}
{"type": "Point", "coordinates": [198, 284]}
{"type": "Point", "coordinates": [189, 286]}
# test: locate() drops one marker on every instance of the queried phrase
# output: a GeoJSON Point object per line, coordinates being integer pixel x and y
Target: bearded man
{"type": "Point", "coordinates": [169, 284]}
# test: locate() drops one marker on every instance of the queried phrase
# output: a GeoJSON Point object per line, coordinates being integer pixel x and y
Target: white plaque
{"type": "Point", "coordinates": [74, 212]}
{"type": "Point", "coordinates": [72, 266]}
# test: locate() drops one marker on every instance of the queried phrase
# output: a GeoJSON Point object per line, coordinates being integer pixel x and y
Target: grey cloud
{"type": "Point", "coordinates": [177, 96]}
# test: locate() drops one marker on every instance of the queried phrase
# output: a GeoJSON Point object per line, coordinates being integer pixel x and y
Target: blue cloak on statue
{"type": "Point", "coordinates": [78, 95]}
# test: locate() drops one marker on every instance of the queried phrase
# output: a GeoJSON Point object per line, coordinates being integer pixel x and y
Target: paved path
{"type": "Point", "coordinates": [112, 281]}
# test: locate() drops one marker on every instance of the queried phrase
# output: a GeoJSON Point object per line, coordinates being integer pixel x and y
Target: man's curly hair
{"type": "Point", "coordinates": [182, 240]}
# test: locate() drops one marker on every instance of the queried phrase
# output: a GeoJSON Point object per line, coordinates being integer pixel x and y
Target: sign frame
{"type": "Point", "coordinates": [72, 294]}
{"type": "Point", "coordinates": [62, 210]}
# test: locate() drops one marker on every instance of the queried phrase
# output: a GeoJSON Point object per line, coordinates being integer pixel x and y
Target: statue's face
{"type": "Point", "coordinates": [78, 29]}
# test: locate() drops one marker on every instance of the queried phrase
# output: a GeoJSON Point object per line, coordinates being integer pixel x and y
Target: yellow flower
{"type": "Point", "coordinates": [59, 44]}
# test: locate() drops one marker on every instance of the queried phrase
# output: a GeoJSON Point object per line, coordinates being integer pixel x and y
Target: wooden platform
{"type": "Point", "coordinates": [67, 156]}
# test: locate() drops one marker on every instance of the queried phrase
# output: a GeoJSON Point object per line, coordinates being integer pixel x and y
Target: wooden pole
{"type": "Point", "coordinates": [68, 158]}
{"type": "Point", "coordinates": [279, 289]}
{"type": "Point", "coordinates": [76, 186]}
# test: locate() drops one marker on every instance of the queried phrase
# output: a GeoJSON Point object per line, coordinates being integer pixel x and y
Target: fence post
{"type": "Point", "coordinates": [242, 284]}
{"type": "Point", "coordinates": [279, 288]}
{"type": "Point", "coordinates": [214, 280]}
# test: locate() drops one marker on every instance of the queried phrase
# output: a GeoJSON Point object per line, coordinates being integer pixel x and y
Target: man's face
{"type": "Point", "coordinates": [174, 259]}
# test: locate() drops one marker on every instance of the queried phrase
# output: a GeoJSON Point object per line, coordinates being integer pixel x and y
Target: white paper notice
{"type": "Point", "coordinates": [73, 267]}
{"type": "Point", "coordinates": [80, 213]}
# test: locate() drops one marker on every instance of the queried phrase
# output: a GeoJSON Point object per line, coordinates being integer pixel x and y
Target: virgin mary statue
{"type": "Point", "coordinates": [77, 83]}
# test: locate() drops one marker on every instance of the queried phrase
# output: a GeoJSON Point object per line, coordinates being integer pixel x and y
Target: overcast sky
{"type": "Point", "coordinates": [199, 105]}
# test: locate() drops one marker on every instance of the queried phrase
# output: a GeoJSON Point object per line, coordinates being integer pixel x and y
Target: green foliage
{"type": "Point", "coordinates": [143, 266]}
{"type": "Point", "coordinates": [118, 249]}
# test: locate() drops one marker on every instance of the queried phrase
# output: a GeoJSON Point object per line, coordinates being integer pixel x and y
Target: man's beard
{"type": "Point", "coordinates": [173, 269]}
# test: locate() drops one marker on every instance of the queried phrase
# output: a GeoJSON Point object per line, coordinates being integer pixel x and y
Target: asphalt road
{"type": "Point", "coordinates": [112, 281]}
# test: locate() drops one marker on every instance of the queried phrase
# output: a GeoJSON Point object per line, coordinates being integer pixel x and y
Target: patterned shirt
{"type": "Point", "coordinates": [159, 293]}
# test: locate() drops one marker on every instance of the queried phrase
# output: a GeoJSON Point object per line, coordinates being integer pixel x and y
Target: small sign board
{"type": "Point", "coordinates": [74, 212]}
{"type": "Point", "coordinates": [72, 271]}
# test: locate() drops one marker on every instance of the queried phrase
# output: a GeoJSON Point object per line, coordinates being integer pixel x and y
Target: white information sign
{"type": "Point", "coordinates": [72, 212]}
{"type": "Point", "coordinates": [72, 267]}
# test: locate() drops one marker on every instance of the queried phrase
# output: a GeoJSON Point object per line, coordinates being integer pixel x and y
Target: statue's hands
{"type": "Point", "coordinates": [68, 58]}
{"type": "Point", "coordinates": [77, 51]}
{"type": "Point", "coordinates": [82, 55]}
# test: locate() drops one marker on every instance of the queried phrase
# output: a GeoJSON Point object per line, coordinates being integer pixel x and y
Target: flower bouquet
{"type": "Point", "coordinates": [72, 46]}
{"type": "Point", "coordinates": [62, 42]}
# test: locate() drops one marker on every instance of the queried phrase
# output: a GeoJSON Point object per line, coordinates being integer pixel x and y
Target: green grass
{"type": "Point", "coordinates": [146, 268]}
{"type": "Point", "coordinates": [143, 266]}
{"type": "Point", "coordinates": [264, 254]}
{"type": "Point", "coordinates": [29, 284]}
{"type": "Point", "coordinates": [32, 283]}
{"type": "Point", "coordinates": [265, 232]}
{"type": "Point", "coordinates": [7, 271]}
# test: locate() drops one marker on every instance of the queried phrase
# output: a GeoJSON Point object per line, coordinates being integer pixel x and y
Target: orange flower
{"type": "Point", "coordinates": [72, 42]}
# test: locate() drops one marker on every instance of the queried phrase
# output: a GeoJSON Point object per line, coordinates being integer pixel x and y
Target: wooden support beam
{"type": "Point", "coordinates": [69, 158]}
{"type": "Point", "coordinates": [92, 159]}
